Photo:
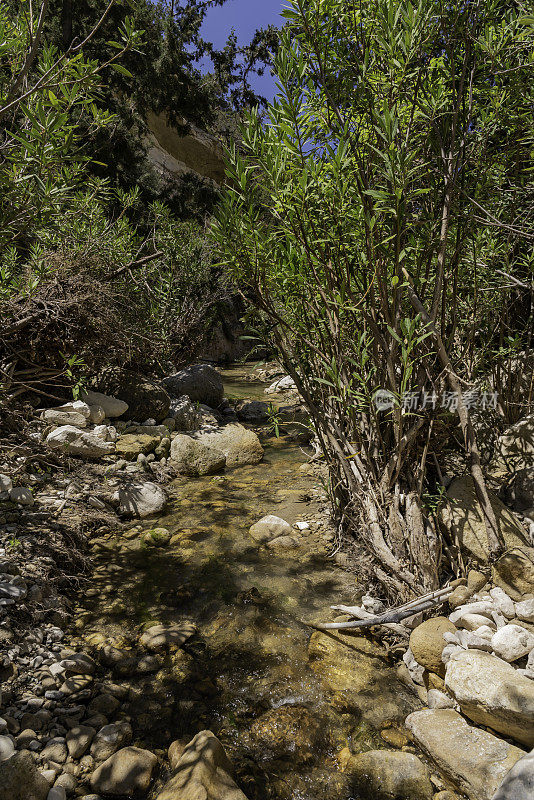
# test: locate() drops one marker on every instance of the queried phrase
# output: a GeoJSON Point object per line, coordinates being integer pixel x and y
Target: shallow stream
{"type": "Point", "coordinates": [246, 675]}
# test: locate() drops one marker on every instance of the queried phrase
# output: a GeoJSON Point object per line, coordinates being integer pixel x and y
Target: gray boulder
{"type": "Point", "coordinates": [194, 458]}
{"type": "Point", "coordinates": [141, 499]}
{"type": "Point", "coordinates": [252, 411]}
{"type": "Point", "coordinates": [463, 516]}
{"type": "Point", "coordinates": [519, 783]}
{"type": "Point", "coordinates": [200, 382]}
{"type": "Point", "coordinates": [185, 414]}
{"type": "Point", "coordinates": [146, 398]}
{"type": "Point", "coordinates": [240, 445]}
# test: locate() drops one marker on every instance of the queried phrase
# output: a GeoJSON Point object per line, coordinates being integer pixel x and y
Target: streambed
{"type": "Point", "coordinates": [247, 675]}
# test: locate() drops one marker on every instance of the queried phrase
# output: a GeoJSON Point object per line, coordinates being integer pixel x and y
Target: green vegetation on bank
{"type": "Point", "coordinates": [382, 222]}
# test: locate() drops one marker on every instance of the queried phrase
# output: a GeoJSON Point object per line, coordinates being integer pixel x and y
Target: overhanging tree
{"type": "Point", "coordinates": [361, 220]}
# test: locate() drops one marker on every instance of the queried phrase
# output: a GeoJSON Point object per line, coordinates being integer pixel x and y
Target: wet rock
{"type": "Point", "coordinates": [283, 543]}
{"type": "Point", "coordinates": [268, 528]}
{"type": "Point", "coordinates": [203, 771]}
{"type": "Point", "coordinates": [491, 692]}
{"type": "Point", "coordinates": [76, 442]}
{"type": "Point", "coordinates": [112, 406]}
{"type": "Point", "coordinates": [427, 643]}
{"type": "Point", "coordinates": [78, 740]}
{"type": "Point", "coordinates": [109, 739]}
{"type": "Point", "coordinates": [519, 782]}
{"type": "Point", "coordinates": [21, 780]}
{"type": "Point", "coordinates": [175, 634]}
{"type": "Point", "coordinates": [127, 772]}
{"type": "Point", "coordinates": [195, 458]}
{"type": "Point", "coordinates": [390, 775]}
{"type": "Point", "coordinates": [287, 732]}
{"type": "Point", "coordinates": [104, 704]}
{"type": "Point", "coordinates": [132, 445]}
{"type": "Point", "coordinates": [472, 759]}
{"type": "Point", "coordinates": [514, 572]}
{"type": "Point", "coordinates": [141, 499]}
{"type": "Point", "coordinates": [200, 382]}
{"type": "Point", "coordinates": [355, 670]}
{"type": "Point", "coordinates": [512, 642]}
{"type": "Point", "coordinates": [463, 515]}
{"type": "Point", "coordinates": [240, 445]}
{"type": "Point", "coordinates": [254, 412]}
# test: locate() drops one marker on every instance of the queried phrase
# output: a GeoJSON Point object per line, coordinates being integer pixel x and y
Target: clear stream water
{"type": "Point", "coordinates": [246, 676]}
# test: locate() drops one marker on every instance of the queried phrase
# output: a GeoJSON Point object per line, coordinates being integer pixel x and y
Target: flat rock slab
{"type": "Point", "coordinates": [463, 515]}
{"type": "Point", "coordinates": [132, 445]}
{"type": "Point", "coordinates": [474, 760]}
{"type": "Point", "coordinates": [174, 634]}
{"type": "Point", "coordinates": [493, 693]}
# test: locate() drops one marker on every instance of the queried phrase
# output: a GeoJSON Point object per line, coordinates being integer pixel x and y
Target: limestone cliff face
{"type": "Point", "coordinates": [176, 155]}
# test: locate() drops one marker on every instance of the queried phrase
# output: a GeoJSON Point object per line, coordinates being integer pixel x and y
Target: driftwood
{"type": "Point", "coordinates": [389, 619]}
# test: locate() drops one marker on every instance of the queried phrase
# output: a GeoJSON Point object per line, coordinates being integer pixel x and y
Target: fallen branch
{"type": "Point", "coordinates": [389, 619]}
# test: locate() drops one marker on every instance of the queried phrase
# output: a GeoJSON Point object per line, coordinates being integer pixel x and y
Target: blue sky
{"type": "Point", "coordinates": [245, 16]}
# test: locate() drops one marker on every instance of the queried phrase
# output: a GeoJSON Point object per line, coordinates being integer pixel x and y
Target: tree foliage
{"type": "Point", "coordinates": [372, 220]}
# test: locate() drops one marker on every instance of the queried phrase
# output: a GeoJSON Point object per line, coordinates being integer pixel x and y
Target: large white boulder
{"type": "Point", "coordinates": [111, 405]}
{"type": "Point", "coordinates": [77, 442]}
{"type": "Point", "coordinates": [141, 499]}
{"type": "Point", "coordinates": [512, 642]}
{"type": "Point", "coordinates": [491, 692]}
{"type": "Point", "coordinates": [473, 759]}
